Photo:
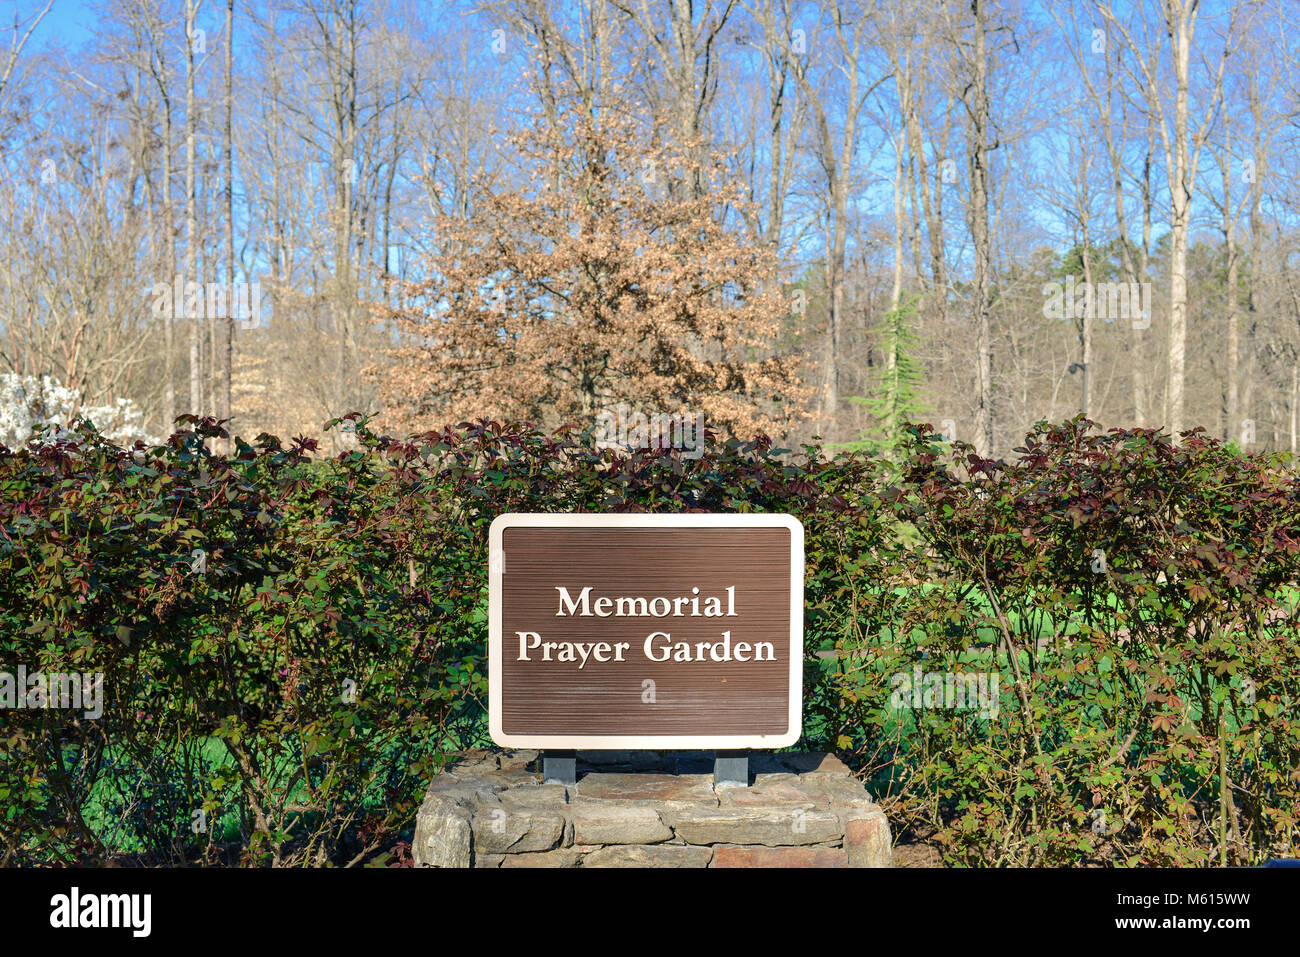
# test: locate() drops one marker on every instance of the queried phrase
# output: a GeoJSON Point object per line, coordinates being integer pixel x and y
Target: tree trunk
{"type": "Point", "coordinates": [228, 327]}
{"type": "Point", "coordinates": [191, 220]}
{"type": "Point", "coordinates": [1178, 13]}
{"type": "Point", "coordinates": [1085, 322]}
{"type": "Point", "coordinates": [158, 66]}
{"type": "Point", "coordinates": [1233, 411]}
{"type": "Point", "coordinates": [979, 186]}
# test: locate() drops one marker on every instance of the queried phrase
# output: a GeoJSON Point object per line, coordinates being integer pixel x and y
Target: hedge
{"type": "Point", "coordinates": [291, 644]}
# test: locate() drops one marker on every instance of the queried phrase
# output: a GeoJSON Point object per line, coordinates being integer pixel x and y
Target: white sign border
{"type": "Point", "coordinates": [605, 742]}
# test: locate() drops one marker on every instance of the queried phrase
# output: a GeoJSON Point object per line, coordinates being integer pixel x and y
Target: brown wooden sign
{"type": "Point", "coordinates": [645, 631]}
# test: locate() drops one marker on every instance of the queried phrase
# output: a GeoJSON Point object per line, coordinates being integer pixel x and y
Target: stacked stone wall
{"type": "Point", "coordinates": [645, 809]}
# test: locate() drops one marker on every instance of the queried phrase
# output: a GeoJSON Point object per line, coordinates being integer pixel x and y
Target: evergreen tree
{"type": "Point", "coordinates": [895, 397]}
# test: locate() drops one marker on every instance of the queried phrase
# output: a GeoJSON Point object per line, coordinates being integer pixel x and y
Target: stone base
{"type": "Point", "coordinates": [646, 809]}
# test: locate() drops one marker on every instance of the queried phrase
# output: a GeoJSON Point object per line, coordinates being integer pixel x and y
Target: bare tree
{"type": "Point", "coordinates": [228, 192]}
{"type": "Point", "coordinates": [1182, 142]}
{"type": "Point", "coordinates": [192, 238]}
{"type": "Point", "coordinates": [835, 155]}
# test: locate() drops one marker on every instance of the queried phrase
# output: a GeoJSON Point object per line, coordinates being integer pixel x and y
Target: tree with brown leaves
{"type": "Point", "coordinates": [592, 284]}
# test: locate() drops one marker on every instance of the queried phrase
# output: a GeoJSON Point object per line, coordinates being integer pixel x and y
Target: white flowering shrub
{"type": "Point", "coordinates": [27, 402]}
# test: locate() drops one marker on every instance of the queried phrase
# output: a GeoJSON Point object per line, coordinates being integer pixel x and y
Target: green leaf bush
{"type": "Point", "coordinates": [291, 644]}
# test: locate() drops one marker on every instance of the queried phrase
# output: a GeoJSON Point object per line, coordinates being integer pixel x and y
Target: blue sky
{"type": "Point", "coordinates": [73, 23]}
{"type": "Point", "coordinates": [70, 22]}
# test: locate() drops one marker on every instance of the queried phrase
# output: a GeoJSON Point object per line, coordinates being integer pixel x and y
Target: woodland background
{"type": "Point", "coordinates": [801, 218]}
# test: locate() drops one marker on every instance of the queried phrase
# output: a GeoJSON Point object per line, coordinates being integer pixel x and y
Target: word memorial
{"type": "Point", "coordinates": [645, 631]}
